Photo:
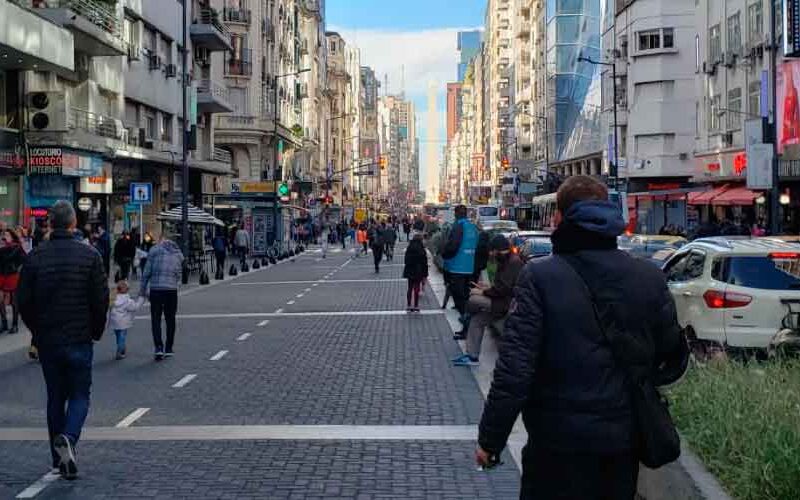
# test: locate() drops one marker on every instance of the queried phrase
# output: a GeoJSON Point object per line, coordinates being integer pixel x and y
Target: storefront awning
{"type": "Point", "coordinates": [706, 197]}
{"type": "Point", "coordinates": [196, 216]}
{"type": "Point", "coordinates": [736, 196]}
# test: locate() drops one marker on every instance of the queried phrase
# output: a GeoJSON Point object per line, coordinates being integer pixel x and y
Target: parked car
{"type": "Point", "coordinates": [739, 293]}
{"type": "Point", "coordinates": [645, 245]}
{"type": "Point", "coordinates": [532, 244]}
{"type": "Point", "coordinates": [505, 227]}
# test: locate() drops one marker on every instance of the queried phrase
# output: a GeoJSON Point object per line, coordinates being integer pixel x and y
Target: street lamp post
{"type": "Point", "coordinates": [615, 167]}
{"type": "Point", "coordinates": [184, 149]}
{"type": "Point", "coordinates": [276, 177]}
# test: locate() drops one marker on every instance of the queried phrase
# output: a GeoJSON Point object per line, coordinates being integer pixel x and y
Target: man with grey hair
{"type": "Point", "coordinates": [63, 299]}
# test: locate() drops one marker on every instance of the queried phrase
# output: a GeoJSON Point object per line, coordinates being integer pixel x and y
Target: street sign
{"type": "Point", "coordinates": [141, 193]}
{"type": "Point", "coordinates": [84, 204]}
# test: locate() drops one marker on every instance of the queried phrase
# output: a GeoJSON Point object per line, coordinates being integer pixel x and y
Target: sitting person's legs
{"type": "Point", "coordinates": [480, 309]}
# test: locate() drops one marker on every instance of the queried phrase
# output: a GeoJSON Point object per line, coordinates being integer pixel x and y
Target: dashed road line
{"type": "Point", "coordinates": [307, 290]}
{"type": "Point", "coordinates": [133, 417]}
{"type": "Point", "coordinates": [279, 311]}
{"type": "Point", "coordinates": [300, 295]}
{"type": "Point", "coordinates": [184, 381]}
{"type": "Point", "coordinates": [218, 356]}
{"type": "Point", "coordinates": [280, 314]}
{"type": "Point", "coordinates": [290, 303]}
{"type": "Point", "coordinates": [264, 323]}
{"type": "Point", "coordinates": [40, 484]}
{"type": "Point", "coordinates": [243, 336]}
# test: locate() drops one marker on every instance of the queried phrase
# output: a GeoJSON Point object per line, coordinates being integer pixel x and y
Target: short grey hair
{"type": "Point", "coordinates": [62, 215]}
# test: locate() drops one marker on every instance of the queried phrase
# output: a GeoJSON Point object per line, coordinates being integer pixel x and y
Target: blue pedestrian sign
{"type": "Point", "coordinates": [141, 193]}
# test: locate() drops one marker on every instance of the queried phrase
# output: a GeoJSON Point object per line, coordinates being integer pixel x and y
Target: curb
{"type": "Point", "coordinates": [686, 478]}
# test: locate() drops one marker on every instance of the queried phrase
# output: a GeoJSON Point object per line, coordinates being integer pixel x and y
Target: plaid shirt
{"type": "Point", "coordinates": [163, 269]}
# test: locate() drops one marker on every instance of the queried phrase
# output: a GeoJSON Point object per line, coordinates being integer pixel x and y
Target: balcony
{"type": "Point", "coordinates": [239, 67]}
{"type": "Point", "coordinates": [237, 16]}
{"type": "Point", "coordinates": [213, 97]}
{"type": "Point", "coordinates": [34, 42]}
{"type": "Point", "coordinates": [95, 25]}
{"type": "Point", "coordinates": [241, 129]}
{"type": "Point", "coordinates": [96, 124]}
{"type": "Point", "coordinates": [207, 31]}
{"type": "Point", "coordinates": [523, 29]}
{"type": "Point", "coordinates": [310, 8]}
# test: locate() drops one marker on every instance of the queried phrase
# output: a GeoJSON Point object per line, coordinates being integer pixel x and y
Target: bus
{"type": "Point", "coordinates": [543, 209]}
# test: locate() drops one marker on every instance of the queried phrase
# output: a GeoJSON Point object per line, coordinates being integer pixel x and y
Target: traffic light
{"type": "Point", "coordinates": [382, 162]}
{"type": "Point", "coordinates": [283, 189]}
{"type": "Point", "coordinates": [505, 163]}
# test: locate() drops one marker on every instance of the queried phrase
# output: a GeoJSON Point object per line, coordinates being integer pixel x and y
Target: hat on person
{"type": "Point", "coordinates": [499, 243]}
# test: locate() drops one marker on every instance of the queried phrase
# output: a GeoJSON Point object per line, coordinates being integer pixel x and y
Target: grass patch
{"type": "Point", "coordinates": [743, 420]}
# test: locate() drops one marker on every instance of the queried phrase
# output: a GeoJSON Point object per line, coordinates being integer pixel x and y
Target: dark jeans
{"type": "Point", "coordinates": [124, 268]}
{"type": "Point", "coordinates": [414, 286]}
{"type": "Point", "coordinates": [242, 253]}
{"type": "Point", "coordinates": [166, 302]}
{"type": "Point", "coordinates": [220, 256]}
{"type": "Point", "coordinates": [377, 255]}
{"type": "Point", "coordinates": [459, 290]}
{"type": "Point", "coordinates": [547, 474]}
{"type": "Point", "coordinates": [67, 373]}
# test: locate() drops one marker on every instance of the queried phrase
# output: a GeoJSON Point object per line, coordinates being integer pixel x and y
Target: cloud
{"type": "Point", "coordinates": [414, 61]}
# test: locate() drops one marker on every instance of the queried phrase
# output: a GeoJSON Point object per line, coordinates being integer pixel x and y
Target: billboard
{"type": "Point", "coordinates": [788, 105]}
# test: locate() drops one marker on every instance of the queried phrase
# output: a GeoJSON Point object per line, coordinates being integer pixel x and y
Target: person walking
{"type": "Point", "coordinates": [415, 271]}
{"type": "Point", "coordinates": [160, 279]}
{"type": "Point", "coordinates": [325, 232]}
{"type": "Point", "coordinates": [63, 299]}
{"type": "Point", "coordinates": [487, 303]}
{"type": "Point", "coordinates": [562, 368]}
{"type": "Point", "coordinates": [102, 242]}
{"type": "Point", "coordinates": [389, 235]}
{"type": "Point", "coordinates": [241, 241]}
{"type": "Point", "coordinates": [121, 317]}
{"type": "Point", "coordinates": [220, 247]}
{"type": "Point", "coordinates": [12, 256]}
{"type": "Point", "coordinates": [377, 246]}
{"type": "Point", "coordinates": [124, 253]}
{"type": "Point", "coordinates": [362, 239]}
{"type": "Point", "coordinates": [407, 228]}
{"type": "Point", "coordinates": [459, 262]}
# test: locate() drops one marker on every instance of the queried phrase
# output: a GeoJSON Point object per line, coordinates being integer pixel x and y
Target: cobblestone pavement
{"type": "Point", "coordinates": [307, 344]}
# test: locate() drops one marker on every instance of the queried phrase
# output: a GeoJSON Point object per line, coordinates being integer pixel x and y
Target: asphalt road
{"type": "Point", "coordinates": [302, 380]}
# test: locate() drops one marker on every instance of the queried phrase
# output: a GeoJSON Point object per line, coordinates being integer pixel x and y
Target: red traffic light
{"type": "Point", "coordinates": [505, 163]}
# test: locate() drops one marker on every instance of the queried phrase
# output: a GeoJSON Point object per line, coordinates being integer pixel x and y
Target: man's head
{"type": "Point", "coordinates": [499, 247]}
{"type": "Point", "coordinates": [62, 216]}
{"type": "Point", "coordinates": [576, 189]}
{"type": "Point", "coordinates": [461, 211]}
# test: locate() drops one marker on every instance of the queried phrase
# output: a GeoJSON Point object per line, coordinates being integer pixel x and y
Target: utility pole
{"type": "Point", "coordinates": [185, 149]}
{"type": "Point", "coordinates": [774, 198]}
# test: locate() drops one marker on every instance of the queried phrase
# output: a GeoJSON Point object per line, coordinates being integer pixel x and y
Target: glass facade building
{"type": "Point", "coordinates": [469, 44]}
{"type": "Point", "coordinates": [573, 87]}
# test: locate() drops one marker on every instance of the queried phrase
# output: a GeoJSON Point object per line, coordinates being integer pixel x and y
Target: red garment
{"type": "Point", "coordinates": [9, 282]}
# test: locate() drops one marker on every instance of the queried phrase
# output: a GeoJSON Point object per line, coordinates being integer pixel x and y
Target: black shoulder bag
{"type": "Point", "coordinates": [658, 442]}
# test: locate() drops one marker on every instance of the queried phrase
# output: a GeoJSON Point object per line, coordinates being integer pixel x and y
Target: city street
{"type": "Point", "coordinates": [306, 379]}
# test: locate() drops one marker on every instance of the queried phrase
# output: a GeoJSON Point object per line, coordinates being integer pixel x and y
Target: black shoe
{"type": "Point", "coordinates": [462, 335]}
{"type": "Point", "coordinates": [66, 453]}
{"type": "Point", "coordinates": [159, 356]}
{"type": "Point", "coordinates": [169, 353]}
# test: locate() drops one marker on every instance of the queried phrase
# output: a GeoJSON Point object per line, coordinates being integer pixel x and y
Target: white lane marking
{"type": "Point", "coordinates": [291, 302]}
{"type": "Point", "coordinates": [243, 336]}
{"type": "Point", "coordinates": [40, 484]}
{"type": "Point", "coordinates": [133, 417]}
{"type": "Point", "coordinates": [264, 323]}
{"type": "Point", "coordinates": [184, 381]}
{"type": "Point", "coordinates": [307, 290]}
{"type": "Point", "coordinates": [279, 314]}
{"type": "Point", "coordinates": [318, 259]}
{"type": "Point", "coordinates": [300, 295]}
{"type": "Point", "coordinates": [218, 356]}
{"type": "Point", "coordinates": [260, 432]}
{"type": "Point", "coordinates": [316, 283]}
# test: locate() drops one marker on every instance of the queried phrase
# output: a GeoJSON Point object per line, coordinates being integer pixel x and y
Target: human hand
{"type": "Point", "coordinates": [482, 457]}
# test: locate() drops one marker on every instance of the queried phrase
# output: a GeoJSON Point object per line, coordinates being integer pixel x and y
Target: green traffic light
{"type": "Point", "coordinates": [283, 190]}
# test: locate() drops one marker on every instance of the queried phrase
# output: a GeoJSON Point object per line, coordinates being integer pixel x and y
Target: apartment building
{"type": "Point", "coordinates": [368, 131]}
{"type": "Point", "coordinates": [500, 74]}
{"type": "Point", "coordinates": [522, 84]}
{"type": "Point", "coordinates": [352, 176]}
{"type": "Point", "coordinates": [340, 120]}
{"type": "Point", "coordinates": [654, 57]}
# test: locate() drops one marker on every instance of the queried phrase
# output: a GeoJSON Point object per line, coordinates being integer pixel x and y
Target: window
{"type": "Point", "coordinates": [694, 266]}
{"type": "Point", "coordinates": [150, 125]}
{"type": "Point", "coordinates": [166, 127]}
{"type": "Point", "coordinates": [333, 46]}
{"type": "Point", "coordinates": [764, 273]}
{"type": "Point", "coordinates": [754, 98]}
{"type": "Point", "coordinates": [649, 40]}
{"type": "Point", "coordinates": [713, 113]}
{"type": "Point", "coordinates": [755, 22]}
{"type": "Point", "coordinates": [130, 31]}
{"type": "Point", "coordinates": [697, 119]}
{"type": "Point", "coordinates": [697, 52]}
{"type": "Point", "coordinates": [150, 37]}
{"type": "Point", "coordinates": [734, 34]}
{"type": "Point", "coordinates": [165, 50]}
{"type": "Point", "coordinates": [669, 38]}
{"type": "Point", "coordinates": [714, 44]}
{"type": "Point", "coordinates": [676, 267]}
{"type": "Point", "coordinates": [779, 22]}
{"type": "Point", "coordinates": [733, 113]}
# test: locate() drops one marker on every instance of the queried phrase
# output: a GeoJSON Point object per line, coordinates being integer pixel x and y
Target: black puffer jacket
{"type": "Point", "coordinates": [63, 292]}
{"type": "Point", "coordinates": [555, 365]}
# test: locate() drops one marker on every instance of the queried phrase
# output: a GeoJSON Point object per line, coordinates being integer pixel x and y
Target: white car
{"type": "Point", "coordinates": [737, 293]}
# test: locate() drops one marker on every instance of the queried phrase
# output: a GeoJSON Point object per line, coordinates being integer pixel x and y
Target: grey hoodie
{"type": "Point", "coordinates": [163, 269]}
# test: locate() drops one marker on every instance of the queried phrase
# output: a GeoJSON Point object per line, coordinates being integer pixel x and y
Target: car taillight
{"type": "Point", "coordinates": [784, 255]}
{"type": "Point", "coordinates": [716, 299]}
{"type": "Point", "coordinates": [514, 249]}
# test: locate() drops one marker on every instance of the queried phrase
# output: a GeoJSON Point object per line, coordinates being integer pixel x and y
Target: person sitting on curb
{"type": "Point", "coordinates": [486, 304]}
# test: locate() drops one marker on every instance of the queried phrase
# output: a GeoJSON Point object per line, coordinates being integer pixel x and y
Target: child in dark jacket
{"type": "Point", "coordinates": [415, 271]}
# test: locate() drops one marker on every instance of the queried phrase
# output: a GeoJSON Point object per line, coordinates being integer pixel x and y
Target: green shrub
{"type": "Point", "coordinates": [743, 420]}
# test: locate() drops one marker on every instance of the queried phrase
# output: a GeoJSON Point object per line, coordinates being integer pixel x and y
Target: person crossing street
{"type": "Point", "coordinates": [377, 245]}
{"type": "Point", "coordinates": [63, 298]}
{"type": "Point", "coordinates": [160, 280]}
{"type": "Point", "coordinates": [389, 235]}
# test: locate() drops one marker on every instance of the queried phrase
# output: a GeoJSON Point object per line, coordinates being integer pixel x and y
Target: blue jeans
{"type": "Point", "coordinates": [120, 334]}
{"type": "Point", "coordinates": [67, 372]}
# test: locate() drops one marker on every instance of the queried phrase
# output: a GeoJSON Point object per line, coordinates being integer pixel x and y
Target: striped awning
{"type": "Point", "coordinates": [196, 216]}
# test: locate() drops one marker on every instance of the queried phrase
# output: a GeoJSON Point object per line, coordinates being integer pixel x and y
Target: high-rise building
{"type": "Point", "coordinates": [341, 119]}
{"type": "Point", "coordinates": [469, 44]}
{"type": "Point", "coordinates": [453, 109]}
{"type": "Point", "coordinates": [368, 133]}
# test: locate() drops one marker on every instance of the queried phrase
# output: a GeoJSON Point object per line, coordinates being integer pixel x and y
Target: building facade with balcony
{"type": "Point", "coordinates": [340, 119]}
{"type": "Point", "coordinates": [500, 74]}
{"type": "Point", "coordinates": [655, 103]}
{"type": "Point", "coordinates": [28, 42]}
{"type": "Point", "coordinates": [369, 146]}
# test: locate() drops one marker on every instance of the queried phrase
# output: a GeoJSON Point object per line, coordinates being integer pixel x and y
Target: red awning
{"type": "Point", "coordinates": [736, 196]}
{"type": "Point", "coordinates": [706, 197]}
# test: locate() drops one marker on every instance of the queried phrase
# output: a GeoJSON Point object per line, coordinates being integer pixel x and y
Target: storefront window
{"type": "Point", "coordinates": [9, 200]}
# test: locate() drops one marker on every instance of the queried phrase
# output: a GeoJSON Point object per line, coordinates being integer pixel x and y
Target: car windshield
{"type": "Point", "coordinates": [538, 246]}
{"type": "Point", "coordinates": [499, 226]}
{"type": "Point", "coordinates": [765, 273]}
{"type": "Point", "coordinates": [487, 211]}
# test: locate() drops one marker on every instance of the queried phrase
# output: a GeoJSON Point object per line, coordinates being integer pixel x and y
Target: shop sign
{"type": "Point", "coordinates": [38, 213]}
{"type": "Point", "coordinates": [664, 186]}
{"type": "Point", "coordinates": [84, 204]}
{"type": "Point", "coordinates": [46, 161]}
{"type": "Point", "coordinates": [99, 184]}
{"type": "Point", "coordinates": [56, 161]}
{"type": "Point", "coordinates": [216, 184]}
{"type": "Point", "coordinates": [731, 164]}
{"type": "Point", "coordinates": [252, 187]}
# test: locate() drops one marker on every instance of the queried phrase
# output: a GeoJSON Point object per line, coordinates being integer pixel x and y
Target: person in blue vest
{"type": "Point", "coordinates": [459, 260]}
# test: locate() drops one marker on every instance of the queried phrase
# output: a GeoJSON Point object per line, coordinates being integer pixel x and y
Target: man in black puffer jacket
{"type": "Point", "coordinates": [556, 367]}
{"type": "Point", "coordinates": [63, 298]}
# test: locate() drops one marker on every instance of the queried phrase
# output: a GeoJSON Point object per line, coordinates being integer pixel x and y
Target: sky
{"type": "Point", "coordinates": [414, 43]}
